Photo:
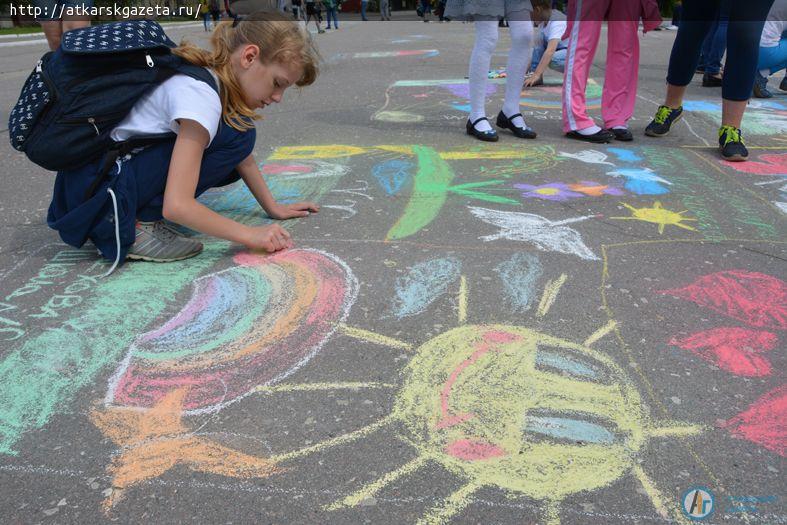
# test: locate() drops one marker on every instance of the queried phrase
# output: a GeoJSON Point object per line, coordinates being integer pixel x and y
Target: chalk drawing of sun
{"type": "Point", "coordinates": [658, 215]}
{"type": "Point", "coordinates": [513, 408]}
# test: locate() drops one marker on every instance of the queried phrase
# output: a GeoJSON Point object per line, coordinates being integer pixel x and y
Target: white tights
{"type": "Point", "coordinates": [518, 61]}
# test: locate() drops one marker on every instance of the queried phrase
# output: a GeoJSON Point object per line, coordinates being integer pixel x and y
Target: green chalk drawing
{"type": "Point", "coordinates": [47, 370]}
{"type": "Point", "coordinates": [431, 184]}
{"type": "Point", "coordinates": [44, 372]}
{"type": "Point", "coordinates": [467, 191]}
{"type": "Point", "coordinates": [708, 199]}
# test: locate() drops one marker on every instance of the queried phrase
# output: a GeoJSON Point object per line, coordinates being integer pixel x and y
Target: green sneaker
{"type": "Point", "coordinates": [731, 144]}
{"type": "Point", "coordinates": [662, 122]}
{"type": "Point", "coordinates": [158, 242]}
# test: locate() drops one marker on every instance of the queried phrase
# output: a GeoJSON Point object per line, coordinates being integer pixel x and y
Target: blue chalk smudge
{"type": "Point", "coordinates": [642, 181]}
{"type": "Point", "coordinates": [701, 105]}
{"type": "Point", "coordinates": [625, 155]}
{"type": "Point", "coordinates": [566, 364]}
{"type": "Point", "coordinates": [519, 275]}
{"type": "Point", "coordinates": [392, 174]}
{"type": "Point", "coordinates": [573, 429]}
{"type": "Point", "coordinates": [424, 283]}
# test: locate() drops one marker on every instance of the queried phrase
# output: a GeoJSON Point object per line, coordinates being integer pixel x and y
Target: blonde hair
{"type": "Point", "coordinates": [280, 40]}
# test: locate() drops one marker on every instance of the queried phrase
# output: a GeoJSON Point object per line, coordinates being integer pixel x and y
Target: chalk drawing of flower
{"type": "Point", "coordinates": [554, 191]}
{"type": "Point", "coordinates": [594, 189]}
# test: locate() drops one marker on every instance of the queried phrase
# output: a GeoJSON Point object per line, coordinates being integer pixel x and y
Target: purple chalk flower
{"type": "Point", "coordinates": [554, 191]}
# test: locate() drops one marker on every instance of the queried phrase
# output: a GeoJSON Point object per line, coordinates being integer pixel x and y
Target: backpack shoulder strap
{"type": "Point", "coordinates": [198, 73]}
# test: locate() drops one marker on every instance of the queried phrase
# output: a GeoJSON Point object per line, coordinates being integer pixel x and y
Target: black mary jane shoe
{"type": "Point", "coordinates": [522, 133]}
{"type": "Point", "coordinates": [486, 136]}
{"type": "Point", "coordinates": [601, 137]}
{"type": "Point", "coordinates": [622, 134]}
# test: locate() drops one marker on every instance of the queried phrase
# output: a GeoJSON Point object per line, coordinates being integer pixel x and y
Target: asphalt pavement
{"type": "Point", "coordinates": [538, 331]}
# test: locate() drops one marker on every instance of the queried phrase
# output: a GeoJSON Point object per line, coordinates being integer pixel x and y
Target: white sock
{"type": "Point", "coordinates": [592, 130]}
{"type": "Point", "coordinates": [480, 59]}
{"type": "Point", "coordinates": [518, 61]}
{"type": "Point", "coordinates": [620, 127]}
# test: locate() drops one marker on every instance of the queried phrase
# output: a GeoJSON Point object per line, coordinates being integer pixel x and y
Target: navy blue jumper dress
{"type": "Point", "coordinates": [138, 183]}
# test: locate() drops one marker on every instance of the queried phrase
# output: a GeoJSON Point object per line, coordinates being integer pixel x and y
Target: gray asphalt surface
{"type": "Point", "coordinates": [439, 348]}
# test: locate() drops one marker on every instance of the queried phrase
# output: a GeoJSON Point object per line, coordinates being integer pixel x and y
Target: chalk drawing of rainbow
{"type": "Point", "coordinates": [250, 325]}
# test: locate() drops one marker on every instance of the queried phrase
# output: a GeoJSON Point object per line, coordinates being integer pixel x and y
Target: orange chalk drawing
{"type": "Point", "coordinates": [153, 441]}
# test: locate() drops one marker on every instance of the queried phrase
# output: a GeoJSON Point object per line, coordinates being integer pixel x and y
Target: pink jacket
{"type": "Point", "coordinates": [648, 13]}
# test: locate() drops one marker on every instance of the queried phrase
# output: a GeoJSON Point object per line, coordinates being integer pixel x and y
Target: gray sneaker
{"type": "Point", "coordinates": [158, 242]}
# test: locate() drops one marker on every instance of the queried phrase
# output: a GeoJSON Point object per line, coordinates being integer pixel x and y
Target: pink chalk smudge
{"type": "Point", "coordinates": [736, 350]}
{"type": "Point", "coordinates": [488, 342]}
{"type": "Point", "coordinates": [756, 299]}
{"type": "Point", "coordinates": [275, 169]}
{"type": "Point", "coordinates": [764, 422]}
{"type": "Point", "coordinates": [473, 450]}
{"type": "Point", "coordinates": [770, 164]}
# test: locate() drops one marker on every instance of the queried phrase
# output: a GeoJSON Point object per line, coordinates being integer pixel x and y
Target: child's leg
{"type": "Point", "coordinates": [694, 25]}
{"type": "Point", "coordinates": [620, 80]}
{"type": "Point", "coordinates": [518, 59]}
{"type": "Point", "coordinates": [582, 43]}
{"type": "Point", "coordinates": [485, 43]}
{"type": "Point", "coordinates": [773, 59]}
{"type": "Point", "coordinates": [539, 47]}
{"type": "Point", "coordinates": [558, 62]}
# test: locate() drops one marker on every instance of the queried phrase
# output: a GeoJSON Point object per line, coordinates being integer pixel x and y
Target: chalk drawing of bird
{"type": "Point", "coordinates": [544, 234]}
{"type": "Point", "coordinates": [642, 181]}
{"type": "Point", "coordinates": [588, 156]}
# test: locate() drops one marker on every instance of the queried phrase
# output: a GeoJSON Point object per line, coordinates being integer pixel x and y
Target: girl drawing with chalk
{"type": "Point", "coordinates": [253, 61]}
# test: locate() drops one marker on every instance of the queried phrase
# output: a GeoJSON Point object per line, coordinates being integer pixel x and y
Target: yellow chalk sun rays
{"type": "Point", "coordinates": [446, 421]}
{"type": "Point", "coordinates": [657, 215]}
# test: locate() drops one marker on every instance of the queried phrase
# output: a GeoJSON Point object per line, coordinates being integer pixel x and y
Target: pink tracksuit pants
{"type": "Point", "coordinates": [622, 67]}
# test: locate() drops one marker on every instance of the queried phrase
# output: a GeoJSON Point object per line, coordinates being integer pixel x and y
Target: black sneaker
{"type": "Point", "coordinates": [761, 87]}
{"type": "Point", "coordinates": [663, 121]}
{"type": "Point", "coordinates": [731, 144]}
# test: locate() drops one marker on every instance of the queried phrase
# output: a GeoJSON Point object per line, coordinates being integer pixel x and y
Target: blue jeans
{"type": "Point", "coordinates": [363, 10]}
{"type": "Point", "coordinates": [558, 62]}
{"type": "Point", "coordinates": [774, 58]}
{"type": "Point", "coordinates": [331, 12]}
{"type": "Point", "coordinates": [747, 19]}
{"type": "Point", "coordinates": [715, 42]}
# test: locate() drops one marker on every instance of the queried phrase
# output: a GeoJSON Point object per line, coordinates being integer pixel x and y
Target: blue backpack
{"type": "Point", "coordinates": [77, 94]}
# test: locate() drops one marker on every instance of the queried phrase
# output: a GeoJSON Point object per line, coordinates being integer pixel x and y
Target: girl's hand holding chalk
{"type": "Point", "coordinates": [291, 211]}
{"type": "Point", "coordinates": [270, 238]}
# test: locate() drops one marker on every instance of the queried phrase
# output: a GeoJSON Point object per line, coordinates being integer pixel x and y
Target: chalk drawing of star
{"type": "Point", "coordinates": [155, 440]}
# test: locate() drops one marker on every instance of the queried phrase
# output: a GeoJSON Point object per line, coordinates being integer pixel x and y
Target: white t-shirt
{"type": "Point", "coordinates": [555, 28]}
{"type": "Point", "coordinates": [774, 25]}
{"type": "Point", "coordinates": [178, 97]}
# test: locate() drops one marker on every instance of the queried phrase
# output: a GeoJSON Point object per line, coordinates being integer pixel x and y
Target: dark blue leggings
{"type": "Point", "coordinates": [747, 18]}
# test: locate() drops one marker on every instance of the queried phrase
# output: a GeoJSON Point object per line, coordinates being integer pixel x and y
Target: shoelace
{"type": "Point", "coordinates": [662, 114]}
{"type": "Point", "coordinates": [730, 134]}
{"type": "Point", "coordinates": [165, 232]}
